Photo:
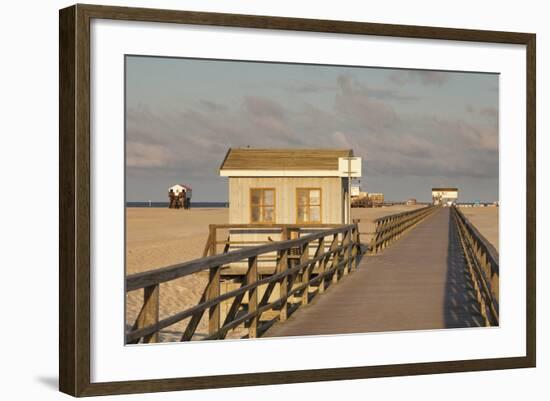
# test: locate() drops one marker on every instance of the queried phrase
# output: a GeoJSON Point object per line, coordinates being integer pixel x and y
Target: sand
{"type": "Point", "coordinates": [485, 219]}
{"type": "Point", "coordinates": [158, 237]}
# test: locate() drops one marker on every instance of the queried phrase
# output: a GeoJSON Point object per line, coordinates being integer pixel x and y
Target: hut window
{"type": "Point", "coordinates": [308, 205]}
{"type": "Point", "coordinates": [262, 205]}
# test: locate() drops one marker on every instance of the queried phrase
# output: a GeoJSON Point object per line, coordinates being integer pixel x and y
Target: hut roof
{"type": "Point", "coordinates": [186, 187]}
{"type": "Point", "coordinates": [283, 159]}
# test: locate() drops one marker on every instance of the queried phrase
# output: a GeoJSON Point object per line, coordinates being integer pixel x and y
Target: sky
{"type": "Point", "coordinates": [414, 129]}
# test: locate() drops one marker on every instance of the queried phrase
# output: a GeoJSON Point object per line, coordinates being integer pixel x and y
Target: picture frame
{"type": "Point", "coordinates": [75, 204]}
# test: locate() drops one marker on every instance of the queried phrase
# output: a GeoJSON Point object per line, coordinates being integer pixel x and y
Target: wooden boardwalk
{"type": "Point", "coordinates": [419, 282]}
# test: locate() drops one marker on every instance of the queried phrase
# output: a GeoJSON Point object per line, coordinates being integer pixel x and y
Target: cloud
{"type": "Point", "coordinates": [262, 107]}
{"type": "Point", "coordinates": [212, 106]}
{"type": "Point", "coordinates": [139, 154]}
{"type": "Point", "coordinates": [308, 87]}
{"type": "Point", "coordinates": [189, 143]}
{"type": "Point", "coordinates": [424, 77]}
{"type": "Point", "coordinates": [268, 120]}
{"type": "Point", "coordinates": [341, 141]}
{"type": "Point", "coordinates": [355, 102]}
{"type": "Point", "coordinates": [489, 112]}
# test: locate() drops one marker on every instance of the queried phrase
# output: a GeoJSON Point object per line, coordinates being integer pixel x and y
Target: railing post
{"type": "Point", "coordinates": [336, 260]}
{"type": "Point", "coordinates": [207, 246]}
{"type": "Point", "coordinates": [322, 266]}
{"type": "Point", "coordinates": [149, 314]}
{"type": "Point", "coordinates": [347, 252]}
{"type": "Point", "coordinates": [355, 246]}
{"type": "Point", "coordinates": [214, 314]}
{"type": "Point", "coordinates": [281, 267]}
{"type": "Point", "coordinates": [304, 257]}
{"type": "Point", "coordinates": [251, 278]}
{"type": "Point", "coordinates": [213, 240]}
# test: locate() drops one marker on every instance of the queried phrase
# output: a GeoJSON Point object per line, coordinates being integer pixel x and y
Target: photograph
{"type": "Point", "coordinates": [271, 199]}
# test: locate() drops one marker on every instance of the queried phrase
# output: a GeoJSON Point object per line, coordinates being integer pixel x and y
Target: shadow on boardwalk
{"type": "Point", "coordinates": [461, 308]}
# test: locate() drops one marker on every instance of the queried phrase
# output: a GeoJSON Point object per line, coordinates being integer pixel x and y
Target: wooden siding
{"type": "Point", "coordinates": [283, 159]}
{"type": "Point", "coordinates": [332, 193]}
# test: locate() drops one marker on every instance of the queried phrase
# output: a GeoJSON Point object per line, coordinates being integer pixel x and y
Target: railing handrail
{"type": "Point", "coordinates": [482, 261]}
{"type": "Point", "coordinates": [168, 321]}
{"type": "Point", "coordinates": [153, 277]}
{"type": "Point", "coordinates": [489, 249]}
{"type": "Point", "coordinates": [398, 215]}
{"type": "Point", "coordinates": [391, 227]}
{"type": "Point", "coordinates": [277, 225]}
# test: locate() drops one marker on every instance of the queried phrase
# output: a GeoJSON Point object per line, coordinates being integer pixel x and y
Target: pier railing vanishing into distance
{"type": "Point", "coordinates": [482, 261]}
{"type": "Point", "coordinates": [265, 273]}
{"type": "Point", "coordinates": [390, 228]}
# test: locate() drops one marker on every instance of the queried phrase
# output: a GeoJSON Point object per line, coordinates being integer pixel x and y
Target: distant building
{"type": "Point", "coordinates": [411, 201]}
{"type": "Point", "coordinates": [360, 200]}
{"type": "Point", "coordinates": [179, 196]}
{"type": "Point", "coordinates": [355, 191]}
{"type": "Point", "coordinates": [444, 196]}
{"type": "Point", "coordinates": [289, 186]}
{"type": "Point", "coordinates": [376, 199]}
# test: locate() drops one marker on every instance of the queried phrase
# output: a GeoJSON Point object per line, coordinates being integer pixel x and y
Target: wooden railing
{"type": "Point", "coordinates": [482, 261]}
{"type": "Point", "coordinates": [390, 228]}
{"type": "Point", "coordinates": [223, 236]}
{"type": "Point", "coordinates": [297, 274]}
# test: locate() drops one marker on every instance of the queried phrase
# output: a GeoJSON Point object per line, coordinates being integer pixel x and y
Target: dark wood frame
{"type": "Point", "coordinates": [74, 199]}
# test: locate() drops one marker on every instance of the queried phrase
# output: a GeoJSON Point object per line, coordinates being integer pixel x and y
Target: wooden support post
{"type": "Point", "coordinates": [213, 240]}
{"type": "Point", "coordinates": [322, 266]}
{"type": "Point", "coordinates": [206, 247]}
{"type": "Point", "coordinates": [214, 314]}
{"type": "Point", "coordinates": [304, 257]}
{"type": "Point", "coordinates": [347, 252]}
{"type": "Point", "coordinates": [149, 313]}
{"type": "Point", "coordinates": [251, 278]}
{"type": "Point", "coordinates": [354, 249]}
{"type": "Point", "coordinates": [335, 260]}
{"type": "Point", "coordinates": [282, 265]}
{"type": "Point", "coordinates": [293, 262]}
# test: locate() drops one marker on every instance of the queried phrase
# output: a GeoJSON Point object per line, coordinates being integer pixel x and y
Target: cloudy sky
{"type": "Point", "coordinates": [413, 129]}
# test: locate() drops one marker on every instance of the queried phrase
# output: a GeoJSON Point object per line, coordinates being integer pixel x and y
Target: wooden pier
{"type": "Point", "coordinates": [424, 269]}
{"type": "Point", "coordinates": [420, 282]}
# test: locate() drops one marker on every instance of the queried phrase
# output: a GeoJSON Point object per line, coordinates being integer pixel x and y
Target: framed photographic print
{"type": "Point", "coordinates": [250, 200]}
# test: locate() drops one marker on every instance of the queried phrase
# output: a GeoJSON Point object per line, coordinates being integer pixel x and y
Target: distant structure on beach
{"type": "Point", "coordinates": [376, 199]}
{"type": "Point", "coordinates": [411, 201]}
{"type": "Point", "coordinates": [356, 191]}
{"type": "Point", "coordinates": [179, 197]}
{"type": "Point", "coordinates": [289, 186]}
{"type": "Point", "coordinates": [359, 198]}
{"type": "Point", "coordinates": [444, 196]}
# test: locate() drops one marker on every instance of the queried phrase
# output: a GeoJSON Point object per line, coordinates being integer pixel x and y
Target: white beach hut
{"type": "Point", "coordinates": [290, 186]}
{"type": "Point", "coordinates": [179, 196]}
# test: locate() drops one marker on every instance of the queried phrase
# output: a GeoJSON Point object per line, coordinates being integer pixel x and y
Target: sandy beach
{"type": "Point", "coordinates": [486, 221]}
{"type": "Point", "coordinates": [158, 237]}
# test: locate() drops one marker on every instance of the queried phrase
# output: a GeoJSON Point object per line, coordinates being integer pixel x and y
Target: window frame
{"type": "Point", "coordinates": [309, 205]}
{"type": "Point", "coordinates": [261, 206]}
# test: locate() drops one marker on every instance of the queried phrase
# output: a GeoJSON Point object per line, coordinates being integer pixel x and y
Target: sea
{"type": "Point", "coordinates": [165, 204]}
